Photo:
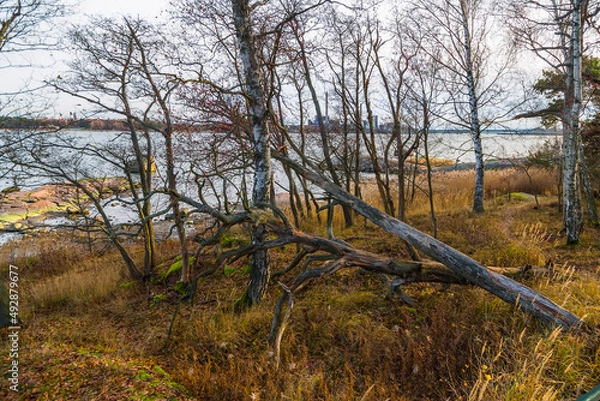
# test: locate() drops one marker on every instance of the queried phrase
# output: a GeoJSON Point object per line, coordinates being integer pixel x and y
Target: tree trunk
{"type": "Point", "coordinates": [321, 122]}
{"type": "Point", "coordinates": [463, 266]}
{"type": "Point", "coordinates": [144, 161]}
{"type": "Point", "coordinates": [474, 112]}
{"type": "Point", "coordinates": [429, 170]}
{"type": "Point", "coordinates": [177, 212]}
{"type": "Point", "coordinates": [571, 192]}
{"type": "Point", "coordinates": [259, 269]}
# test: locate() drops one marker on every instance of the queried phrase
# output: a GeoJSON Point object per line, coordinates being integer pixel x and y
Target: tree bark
{"type": "Point", "coordinates": [475, 126]}
{"type": "Point", "coordinates": [259, 269]}
{"type": "Point", "coordinates": [464, 267]}
{"type": "Point", "coordinates": [572, 215]}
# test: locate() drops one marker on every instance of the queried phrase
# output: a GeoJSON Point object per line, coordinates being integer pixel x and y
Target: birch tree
{"type": "Point", "coordinates": [476, 83]}
{"type": "Point", "coordinates": [254, 92]}
{"type": "Point", "coordinates": [554, 31]}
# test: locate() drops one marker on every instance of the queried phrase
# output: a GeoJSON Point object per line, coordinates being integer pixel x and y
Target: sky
{"type": "Point", "coordinates": [144, 8]}
{"type": "Point", "coordinates": [47, 65]}
{"type": "Point", "coordinates": [31, 68]}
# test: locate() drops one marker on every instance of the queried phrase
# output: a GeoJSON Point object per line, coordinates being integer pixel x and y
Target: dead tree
{"type": "Point", "coordinates": [460, 264]}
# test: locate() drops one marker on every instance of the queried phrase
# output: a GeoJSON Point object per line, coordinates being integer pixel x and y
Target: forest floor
{"type": "Point", "coordinates": [88, 333]}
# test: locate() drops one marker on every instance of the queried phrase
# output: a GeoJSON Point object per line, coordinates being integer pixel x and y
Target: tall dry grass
{"type": "Point", "coordinates": [346, 340]}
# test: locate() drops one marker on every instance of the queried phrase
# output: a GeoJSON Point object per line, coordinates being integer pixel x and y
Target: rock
{"type": "Point", "coordinates": [71, 209]}
{"type": "Point", "coordinates": [36, 220]}
{"type": "Point", "coordinates": [17, 209]}
{"type": "Point", "coordinates": [9, 190]}
{"type": "Point", "coordinates": [29, 199]}
{"type": "Point", "coordinates": [42, 205]}
{"type": "Point", "coordinates": [41, 193]}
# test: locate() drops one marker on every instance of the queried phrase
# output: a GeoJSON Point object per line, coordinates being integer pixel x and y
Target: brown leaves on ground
{"type": "Point", "coordinates": [61, 372]}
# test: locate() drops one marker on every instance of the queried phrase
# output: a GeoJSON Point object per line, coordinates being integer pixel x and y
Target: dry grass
{"type": "Point", "coordinates": [346, 340]}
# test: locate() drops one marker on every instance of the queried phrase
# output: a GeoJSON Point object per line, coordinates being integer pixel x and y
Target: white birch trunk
{"type": "Point", "coordinates": [475, 127]}
{"type": "Point", "coordinates": [572, 214]}
{"type": "Point", "coordinates": [259, 269]}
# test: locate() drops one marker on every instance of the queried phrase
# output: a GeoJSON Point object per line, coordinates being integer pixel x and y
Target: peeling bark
{"type": "Point", "coordinates": [474, 124]}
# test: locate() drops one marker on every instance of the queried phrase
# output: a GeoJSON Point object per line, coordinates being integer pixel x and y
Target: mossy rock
{"type": "Point", "coordinates": [10, 190]}
{"type": "Point", "coordinates": [521, 197]}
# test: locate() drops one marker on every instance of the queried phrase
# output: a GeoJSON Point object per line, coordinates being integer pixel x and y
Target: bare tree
{"type": "Point", "coordinates": [119, 70]}
{"type": "Point", "coordinates": [424, 86]}
{"type": "Point", "coordinates": [393, 73]}
{"type": "Point", "coordinates": [460, 40]}
{"type": "Point", "coordinates": [22, 23]}
{"type": "Point", "coordinates": [322, 119]}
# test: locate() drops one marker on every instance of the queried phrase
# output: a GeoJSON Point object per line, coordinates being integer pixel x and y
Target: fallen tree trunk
{"type": "Point", "coordinates": [470, 270]}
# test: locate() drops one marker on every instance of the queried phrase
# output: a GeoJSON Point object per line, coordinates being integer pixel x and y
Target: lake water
{"type": "Point", "coordinates": [456, 147]}
{"type": "Point", "coordinates": [459, 147]}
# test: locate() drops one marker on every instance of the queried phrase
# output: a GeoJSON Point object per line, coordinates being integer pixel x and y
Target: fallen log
{"type": "Point", "coordinates": [463, 266]}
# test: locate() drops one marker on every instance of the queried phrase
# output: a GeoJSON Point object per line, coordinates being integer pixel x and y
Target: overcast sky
{"type": "Point", "coordinates": [146, 8]}
{"type": "Point", "coordinates": [47, 64]}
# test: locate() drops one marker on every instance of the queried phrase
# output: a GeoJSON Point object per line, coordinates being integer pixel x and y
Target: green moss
{"type": "Point", "coordinates": [17, 217]}
{"type": "Point", "coordinates": [520, 197]}
{"type": "Point", "coordinates": [128, 284]}
{"type": "Point", "coordinates": [142, 375]}
{"type": "Point", "coordinates": [10, 190]}
{"type": "Point", "coordinates": [229, 271]}
{"type": "Point", "coordinates": [230, 241]}
{"type": "Point", "coordinates": [354, 300]}
{"type": "Point", "coordinates": [157, 300]}
{"type": "Point", "coordinates": [175, 267]}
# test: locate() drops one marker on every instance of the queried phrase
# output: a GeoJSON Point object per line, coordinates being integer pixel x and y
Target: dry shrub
{"type": "Point", "coordinates": [533, 181]}
{"type": "Point", "coordinates": [43, 255]}
{"type": "Point", "coordinates": [453, 190]}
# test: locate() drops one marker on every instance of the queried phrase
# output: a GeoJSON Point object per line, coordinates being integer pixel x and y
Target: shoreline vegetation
{"type": "Point", "coordinates": [57, 124]}
{"type": "Point", "coordinates": [22, 210]}
{"type": "Point", "coordinates": [97, 335]}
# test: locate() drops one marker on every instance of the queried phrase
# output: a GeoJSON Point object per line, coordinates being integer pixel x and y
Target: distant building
{"type": "Point", "coordinates": [375, 123]}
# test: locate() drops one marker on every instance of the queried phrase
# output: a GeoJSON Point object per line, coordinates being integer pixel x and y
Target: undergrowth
{"type": "Point", "coordinates": [89, 333]}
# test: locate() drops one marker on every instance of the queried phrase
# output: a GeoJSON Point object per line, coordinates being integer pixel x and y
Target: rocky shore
{"type": "Point", "coordinates": [21, 209]}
